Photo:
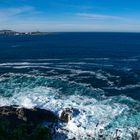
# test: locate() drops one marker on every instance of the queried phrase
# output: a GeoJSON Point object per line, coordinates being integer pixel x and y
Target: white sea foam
{"type": "Point", "coordinates": [101, 75]}
{"type": "Point", "coordinates": [98, 74]}
{"type": "Point", "coordinates": [44, 59]}
{"type": "Point", "coordinates": [23, 64]}
{"type": "Point", "coordinates": [90, 114]}
{"type": "Point", "coordinates": [91, 111]}
{"type": "Point", "coordinates": [13, 64]}
{"type": "Point", "coordinates": [129, 60]}
{"type": "Point", "coordinates": [106, 59]}
{"type": "Point", "coordinates": [125, 87]}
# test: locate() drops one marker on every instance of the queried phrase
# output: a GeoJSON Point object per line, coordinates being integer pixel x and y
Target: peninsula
{"type": "Point", "coordinates": [11, 32]}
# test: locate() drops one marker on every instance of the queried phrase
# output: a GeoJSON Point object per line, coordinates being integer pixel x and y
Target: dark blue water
{"type": "Point", "coordinates": [99, 66]}
{"type": "Point", "coordinates": [114, 53]}
{"type": "Point", "coordinates": [71, 45]}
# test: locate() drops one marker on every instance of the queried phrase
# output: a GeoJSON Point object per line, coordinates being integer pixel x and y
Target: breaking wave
{"type": "Point", "coordinates": [93, 111]}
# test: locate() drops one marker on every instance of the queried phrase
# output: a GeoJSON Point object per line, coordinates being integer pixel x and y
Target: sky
{"type": "Point", "coordinates": [70, 15]}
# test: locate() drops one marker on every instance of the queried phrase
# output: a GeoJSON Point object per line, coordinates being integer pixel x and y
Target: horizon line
{"type": "Point", "coordinates": [73, 31]}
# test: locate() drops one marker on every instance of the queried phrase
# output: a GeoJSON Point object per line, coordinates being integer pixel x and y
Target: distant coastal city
{"type": "Point", "coordinates": [15, 33]}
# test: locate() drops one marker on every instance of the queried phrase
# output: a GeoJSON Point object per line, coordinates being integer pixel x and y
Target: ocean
{"type": "Point", "coordinates": [96, 74]}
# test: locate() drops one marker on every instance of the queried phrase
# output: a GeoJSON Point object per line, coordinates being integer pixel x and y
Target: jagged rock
{"type": "Point", "coordinates": [65, 115]}
{"type": "Point", "coordinates": [35, 115]}
{"type": "Point", "coordinates": [16, 122]}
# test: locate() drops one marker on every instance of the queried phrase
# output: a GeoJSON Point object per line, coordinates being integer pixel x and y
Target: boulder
{"type": "Point", "coordinates": [65, 115]}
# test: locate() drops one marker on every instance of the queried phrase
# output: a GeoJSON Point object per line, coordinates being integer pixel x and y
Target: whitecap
{"type": "Point", "coordinates": [94, 114]}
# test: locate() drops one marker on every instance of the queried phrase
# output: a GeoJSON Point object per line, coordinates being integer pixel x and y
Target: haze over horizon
{"type": "Point", "coordinates": [65, 15]}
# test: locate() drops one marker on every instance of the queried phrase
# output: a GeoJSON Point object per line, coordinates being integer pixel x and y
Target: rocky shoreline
{"type": "Point", "coordinates": [19, 123]}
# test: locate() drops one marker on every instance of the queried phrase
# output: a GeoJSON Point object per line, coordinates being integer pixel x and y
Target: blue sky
{"type": "Point", "coordinates": [70, 15]}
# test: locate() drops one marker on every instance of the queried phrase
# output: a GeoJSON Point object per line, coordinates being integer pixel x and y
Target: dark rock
{"type": "Point", "coordinates": [35, 115]}
{"type": "Point", "coordinates": [20, 123]}
{"type": "Point", "coordinates": [65, 115]}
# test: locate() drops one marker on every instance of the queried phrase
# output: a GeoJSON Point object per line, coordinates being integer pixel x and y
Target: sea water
{"type": "Point", "coordinates": [95, 74]}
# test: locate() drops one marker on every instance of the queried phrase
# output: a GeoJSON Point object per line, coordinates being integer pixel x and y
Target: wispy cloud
{"type": "Point", "coordinates": [97, 16]}
{"type": "Point", "coordinates": [7, 14]}
{"type": "Point", "coordinates": [15, 10]}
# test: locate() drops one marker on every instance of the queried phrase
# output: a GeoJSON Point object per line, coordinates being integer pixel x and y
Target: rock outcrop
{"type": "Point", "coordinates": [24, 124]}
{"type": "Point", "coordinates": [35, 115]}
{"type": "Point", "coordinates": [65, 115]}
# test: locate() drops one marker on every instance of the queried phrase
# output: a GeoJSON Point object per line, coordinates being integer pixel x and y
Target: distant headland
{"type": "Point", "coordinates": [11, 32]}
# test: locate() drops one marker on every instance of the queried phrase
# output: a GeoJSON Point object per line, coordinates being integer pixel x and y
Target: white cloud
{"type": "Point", "coordinates": [97, 16]}
{"type": "Point", "coordinates": [13, 12]}
{"type": "Point", "coordinates": [27, 18]}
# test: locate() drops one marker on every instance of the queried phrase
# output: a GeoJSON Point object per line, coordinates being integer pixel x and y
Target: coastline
{"type": "Point", "coordinates": [18, 123]}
